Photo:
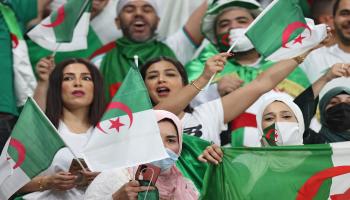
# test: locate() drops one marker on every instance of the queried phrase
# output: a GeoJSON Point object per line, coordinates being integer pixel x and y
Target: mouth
{"type": "Point", "coordinates": [139, 25]}
{"type": "Point", "coordinates": [78, 93]}
{"type": "Point", "coordinates": [163, 91]}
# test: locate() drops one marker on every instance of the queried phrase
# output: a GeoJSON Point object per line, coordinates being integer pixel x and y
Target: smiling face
{"type": "Point", "coordinates": [77, 86]}
{"type": "Point", "coordinates": [342, 22]}
{"type": "Point", "coordinates": [169, 135]}
{"type": "Point", "coordinates": [162, 79]}
{"type": "Point", "coordinates": [138, 21]}
{"type": "Point", "coordinates": [277, 112]}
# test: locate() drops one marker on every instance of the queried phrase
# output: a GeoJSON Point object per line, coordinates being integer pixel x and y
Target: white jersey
{"type": "Point", "coordinates": [319, 60]}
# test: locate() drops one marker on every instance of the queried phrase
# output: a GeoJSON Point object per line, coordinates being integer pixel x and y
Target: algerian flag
{"type": "Point", "coordinates": [30, 150]}
{"type": "Point", "coordinates": [24, 79]}
{"type": "Point", "coordinates": [281, 32]}
{"type": "Point", "coordinates": [244, 130]}
{"type": "Point", "coordinates": [128, 134]}
{"type": "Point", "coordinates": [288, 172]}
{"type": "Point", "coordinates": [65, 29]}
{"type": "Point", "coordinates": [271, 135]}
{"type": "Point", "coordinates": [100, 33]}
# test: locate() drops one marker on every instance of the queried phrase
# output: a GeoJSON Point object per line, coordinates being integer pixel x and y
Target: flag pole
{"type": "Point", "coordinates": [74, 155]}
{"type": "Point", "coordinates": [136, 60]}
{"type": "Point", "coordinates": [212, 77]}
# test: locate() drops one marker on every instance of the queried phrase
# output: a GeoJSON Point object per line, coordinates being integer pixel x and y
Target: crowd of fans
{"type": "Point", "coordinates": [73, 88]}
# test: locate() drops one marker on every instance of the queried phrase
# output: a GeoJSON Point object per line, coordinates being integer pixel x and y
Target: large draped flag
{"type": "Point", "coordinates": [128, 133]}
{"type": "Point", "coordinates": [24, 79]}
{"type": "Point", "coordinates": [65, 29]}
{"type": "Point", "coordinates": [30, 150]}
{"type": "Point", "coordinates": [282, 173]}
{"type": "Point", "coordinates": [281, 31]}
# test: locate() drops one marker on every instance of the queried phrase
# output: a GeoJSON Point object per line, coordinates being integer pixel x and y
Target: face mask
{"type": "Point", "coordinates": [283, 134]}
{"type": "Point", "coordinates": [166, 163]}
{"type": "Point", "coordinates": [338, 117]}
{"type": "Point", "coordinates": [227, 39]}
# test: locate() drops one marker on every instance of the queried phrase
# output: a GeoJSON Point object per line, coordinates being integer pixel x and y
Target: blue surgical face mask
{"type": "Point", "coordinates": [166, 163]}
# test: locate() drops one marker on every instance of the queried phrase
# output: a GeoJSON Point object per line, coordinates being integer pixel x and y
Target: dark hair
{"type": "Point", "coordinates": [335, 7]}
{"type": "Point", "coordinates": [180, 68]}
{"type": "Point", "coordinates": [54, 103]}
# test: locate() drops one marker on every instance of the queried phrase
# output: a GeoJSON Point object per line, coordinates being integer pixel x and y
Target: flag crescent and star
{"type": "Point", "coordinates": [116, 123]}
{"type": "Point", "coordinates": [312, 185]}
{"type": "Point", "coordinates": [289, 30]}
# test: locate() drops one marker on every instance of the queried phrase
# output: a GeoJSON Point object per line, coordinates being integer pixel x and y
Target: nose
{"type": "Point", "coordinates": [77, 82]}
{"type": "Point", "coordinates": [161, 78]}
{"type": "Point", "coordinates": [138, 11]}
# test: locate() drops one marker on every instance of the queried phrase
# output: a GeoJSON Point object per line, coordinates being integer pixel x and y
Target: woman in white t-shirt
{"type": "Point", "coordinates": [167, 84]}
{"type": "Point", "coordinates": [72, 96]}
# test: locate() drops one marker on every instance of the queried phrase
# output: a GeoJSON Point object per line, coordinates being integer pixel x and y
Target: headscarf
{"type": "Point", "coordinates": [209, 19]}
{"type": "Point", "coordinates": [122, 3]}
{"type": "Point", "coordinates": [269, 98]}
{"type": "Point", "coordinates": [332, 89]}
{"type": "Point", "coordinates": [171, 184]}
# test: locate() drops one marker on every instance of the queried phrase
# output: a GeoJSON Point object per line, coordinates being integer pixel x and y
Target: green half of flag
{"type": "Point", "coordinates": [65, 19]}
{"type": "Point", "coordinates": [131, 97]}
{"type": "Point", "coordinates": [267, 173]}
{"type": "Point", "coordinates": [188, 163]}
{"type": "Point", "coordinates": [34, 141]}
{"type": "Point", "coordinates": [280, 23]}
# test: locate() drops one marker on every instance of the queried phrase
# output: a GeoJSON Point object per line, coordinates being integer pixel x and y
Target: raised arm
{"type": "Point", "coordinates": [43, 69]}
{"type": "Point", "coordinates": [177, 102]}
{"type": "Point", "coordinates": [238, 101]}
{"type": "Point", "coordinates": [193, 25]}
{"type": "Point", "coordinates": [337, 70]}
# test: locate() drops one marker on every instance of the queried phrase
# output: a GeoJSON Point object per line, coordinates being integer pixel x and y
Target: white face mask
{"type": "Point", "coordinates": [288, 134]}
{"type": "Point", "coordinates": [243, 43]}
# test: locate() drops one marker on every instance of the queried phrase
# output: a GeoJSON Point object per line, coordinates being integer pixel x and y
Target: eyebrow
{"type": "Point", "coordinates": [72, 74]}
{"type": "Point", "coordinates": [269, 113]}
{"type": "Point", "coordinates": [166, 70]}
{"type": "Point", "coordinates": [236, 18]}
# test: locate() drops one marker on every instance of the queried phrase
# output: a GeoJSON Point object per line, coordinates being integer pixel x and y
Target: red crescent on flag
{"type": "Point", "coordinates": [120, 106]}
{"type": "Point", "coordinates": [312, 185]}
{"type": "Point", "coordinates": [14, 39]}
{"type": "Point", "coordinates": [224, 39]}
{"type": "Point", "coordinates": [21, 150]}
{"type": "Point", "coordinates": [59, 19]}
{"type": "Point", "coordinates": [290, 29]}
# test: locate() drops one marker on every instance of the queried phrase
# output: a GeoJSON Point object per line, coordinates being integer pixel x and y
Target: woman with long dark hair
{"type": "Point", "coordinates": [71, 94]}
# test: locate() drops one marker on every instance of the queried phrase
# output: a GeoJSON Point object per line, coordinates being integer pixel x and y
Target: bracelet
{"type": "Point", "coordinates": [195, 86]}
{"type": "Point", "coordinates": [41, 185]}
{"type": "Point", "coordinates": [299, 59]}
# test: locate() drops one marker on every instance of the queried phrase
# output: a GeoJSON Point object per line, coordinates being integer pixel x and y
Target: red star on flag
{"type": "Point", "coordinates": [116, 124]}
{"type": "Point", "coordinates": [299, 40]}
